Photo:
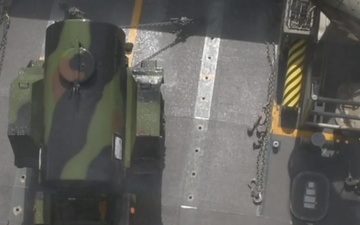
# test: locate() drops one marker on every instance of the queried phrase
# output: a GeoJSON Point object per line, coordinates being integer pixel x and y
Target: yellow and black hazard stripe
{"type": "Point", "coordinates": [294, 74]}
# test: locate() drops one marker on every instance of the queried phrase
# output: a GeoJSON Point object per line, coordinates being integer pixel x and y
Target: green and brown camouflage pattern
{"type": "Point", "coordinates": [80, 124]}
{"type": "Point", "coordinates": [77, 104]}
{"type": "Point", "coordinates": [25, 129]}
{"type": "Point", "coordinates": [83, 118]}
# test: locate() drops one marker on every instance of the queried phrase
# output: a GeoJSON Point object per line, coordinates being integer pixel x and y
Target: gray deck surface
{"type": "Point", "coordinates": [226, 162]}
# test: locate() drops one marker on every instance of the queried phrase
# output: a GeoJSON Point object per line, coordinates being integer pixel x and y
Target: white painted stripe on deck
{"type": "Point", "coordinates": [207, 78]}
{"type": "Point", "coordinates": [56, 14]}
{"type": "Point", "coordinates": [276, 54]}
{"type": "Point", "coordinates": [209, 62]}
{"type": "Point", "coordinates": [188, 207]}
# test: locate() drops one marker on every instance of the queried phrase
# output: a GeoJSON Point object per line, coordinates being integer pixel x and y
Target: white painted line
{"type": "Point", "coordinates": [209, 62]}
{"type": "Point", "coordinates": [188, 207]}
{"type": "Point", "coordinates": [207, 78]}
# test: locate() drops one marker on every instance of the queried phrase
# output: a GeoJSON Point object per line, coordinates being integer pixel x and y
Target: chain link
{"type": "Point", "coordinates": [5, 23]}
{"type": "Point", "coordinates": [182, 21]}
{"type": "Point", "coordinates": [257, 185]}
{"type": "Point", "coordinates": [147, 25]}
{"type": "Point", "coordinates": [75, 13]}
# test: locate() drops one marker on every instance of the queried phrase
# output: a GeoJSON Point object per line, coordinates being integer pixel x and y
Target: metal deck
{"type": "Point", "coordinates": [208, 169]}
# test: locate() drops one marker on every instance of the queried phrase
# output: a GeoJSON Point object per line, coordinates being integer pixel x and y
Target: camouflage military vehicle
{"type": "Point", "coordinates": [83, 121]}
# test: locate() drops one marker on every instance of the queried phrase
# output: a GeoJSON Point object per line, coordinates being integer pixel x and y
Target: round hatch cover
{"type": "Point", "coordinates": [76, 64]}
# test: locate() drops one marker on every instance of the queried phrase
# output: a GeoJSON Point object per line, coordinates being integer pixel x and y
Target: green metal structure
{"type": "Point", "coordinates": [84, 121]}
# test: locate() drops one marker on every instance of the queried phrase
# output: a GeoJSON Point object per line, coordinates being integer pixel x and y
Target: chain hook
{"type": "Point", "coordinates": [255, 193]}
{"type": "Point", "coordinates": [258, 198]}
{"type": "Point", "coordinates": [252, 184]}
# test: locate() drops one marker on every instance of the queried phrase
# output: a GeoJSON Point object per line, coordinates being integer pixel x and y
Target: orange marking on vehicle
{"type": "Point", "coordinates": [132, 210]}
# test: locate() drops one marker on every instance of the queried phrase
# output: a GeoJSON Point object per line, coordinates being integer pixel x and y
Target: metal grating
{"type": "Point", "coordinates": [300, 15]}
